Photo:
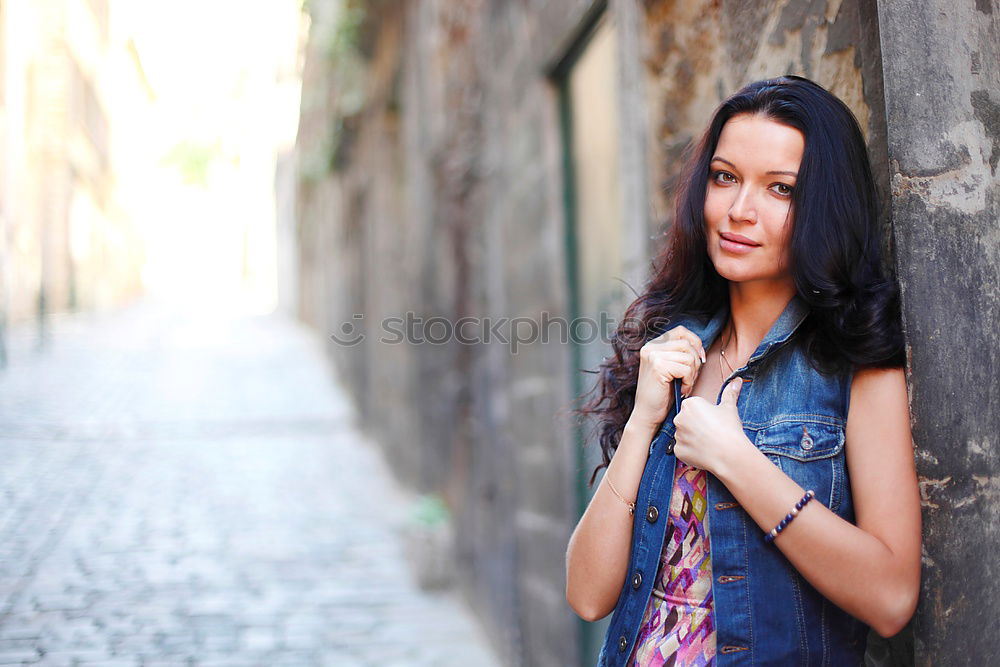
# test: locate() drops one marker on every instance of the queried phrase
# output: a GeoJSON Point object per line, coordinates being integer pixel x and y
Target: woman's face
{"type": "Point", "coordinates": [748, 198]}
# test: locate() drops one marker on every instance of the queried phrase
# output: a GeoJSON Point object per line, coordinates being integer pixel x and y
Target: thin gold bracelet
{"type": "Point", "coordinates": [631, 506]}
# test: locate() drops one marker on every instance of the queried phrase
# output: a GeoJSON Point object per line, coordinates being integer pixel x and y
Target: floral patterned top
{"type": "Point", "coordinates": [678, 626]}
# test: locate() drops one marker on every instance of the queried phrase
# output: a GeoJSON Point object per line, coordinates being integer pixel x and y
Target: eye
{"type": "Point", "coordinates": [783, 189]}
{"type": "Point", "coordinates": [722, 177]}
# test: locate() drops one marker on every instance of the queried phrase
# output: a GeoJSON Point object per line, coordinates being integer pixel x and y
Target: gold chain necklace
{"type": "Point", "coordinates": [722, 355]}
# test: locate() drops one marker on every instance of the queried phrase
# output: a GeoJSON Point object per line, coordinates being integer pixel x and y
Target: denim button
{"type": "Point", "coordinates": [622, 644]}
{"type": "Point", "coordinates": [636, 580]}
{"type": "Point", "coordinates": [807, 441]}
{"type": "Point", "coordinates": [652, 513]}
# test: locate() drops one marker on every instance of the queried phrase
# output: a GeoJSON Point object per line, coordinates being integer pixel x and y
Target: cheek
{"type": "Point", "coordinates": [715, 207]}
{"type": "Point", "coordinates": [783, 244]}
{"type": "Point", "coordinates": [784, 227]}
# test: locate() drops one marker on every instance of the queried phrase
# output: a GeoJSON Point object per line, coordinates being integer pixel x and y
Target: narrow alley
{"type": "Point", "coordinates": [188, 488]}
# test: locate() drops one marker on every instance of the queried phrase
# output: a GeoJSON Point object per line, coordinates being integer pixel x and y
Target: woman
{"type": "Point", "coordinates": [773, 517]}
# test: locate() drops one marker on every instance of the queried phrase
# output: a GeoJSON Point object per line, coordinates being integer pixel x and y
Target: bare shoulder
{"type": "Point", "coordinates": [877, 393]}
{"type": "Point", "coordinates": [879, 407]}
{"type": "Point", "coordinates": [876, 378]}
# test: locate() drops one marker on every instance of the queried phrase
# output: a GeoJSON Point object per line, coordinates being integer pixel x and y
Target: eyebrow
{"type": "Point", "coordinates": [786, 173]}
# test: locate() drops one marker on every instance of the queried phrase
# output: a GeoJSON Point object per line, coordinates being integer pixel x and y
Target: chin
{"type": "Point", "coordinates": [741, 274]}
{"type": "Point", "coordinates": [733, 271]}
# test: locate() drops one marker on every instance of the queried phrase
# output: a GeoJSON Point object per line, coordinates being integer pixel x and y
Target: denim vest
{"type": "Point", "coordinates": [766, 613]}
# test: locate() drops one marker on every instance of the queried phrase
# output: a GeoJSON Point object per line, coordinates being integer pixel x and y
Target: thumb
{"type": "Point", "coordinates": [732, 392]}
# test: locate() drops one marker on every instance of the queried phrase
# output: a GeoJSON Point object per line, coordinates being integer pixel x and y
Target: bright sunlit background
{"type": "Point", "coordinates": [224, 82]}
{"type": "Point", "coordinates": [140, 148]}
{"type": "Point", "coordinates": [180, 469]}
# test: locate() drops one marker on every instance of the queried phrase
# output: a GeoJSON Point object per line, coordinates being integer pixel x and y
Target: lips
{"type": "Point", "coordinates": [739, 238]}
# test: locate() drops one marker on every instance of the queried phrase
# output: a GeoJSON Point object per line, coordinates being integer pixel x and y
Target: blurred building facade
{"type": "Point", "coordinates": [475, 159]}
{"type": "Point", "coordinates": [66, 243]}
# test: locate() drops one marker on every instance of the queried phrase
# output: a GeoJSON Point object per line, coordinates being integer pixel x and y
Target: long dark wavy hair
{"type": "Point", "coordinates": [836, 253]}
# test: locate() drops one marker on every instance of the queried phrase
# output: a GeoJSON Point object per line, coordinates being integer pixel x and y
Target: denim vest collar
{"type": "Point", "coordinates": [781, 330]}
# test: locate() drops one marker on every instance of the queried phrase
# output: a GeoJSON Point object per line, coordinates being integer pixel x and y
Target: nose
{"type": "Point", "coordinates": [743, 208]}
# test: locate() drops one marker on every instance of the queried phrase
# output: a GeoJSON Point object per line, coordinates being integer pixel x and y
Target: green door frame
{"type": "Point", "coordinates": [590, 634]}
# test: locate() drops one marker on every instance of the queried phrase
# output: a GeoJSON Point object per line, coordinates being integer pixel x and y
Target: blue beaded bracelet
{"type": "Point", "coordinates": [769, 537]}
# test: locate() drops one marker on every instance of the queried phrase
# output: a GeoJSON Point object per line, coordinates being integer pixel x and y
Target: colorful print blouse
{"type": "Point", "coordinates": [678, 627]}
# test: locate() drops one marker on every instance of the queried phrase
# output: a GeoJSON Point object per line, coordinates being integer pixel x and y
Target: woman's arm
{"type": "Point", "coordinates": [599, 549]}
{"type": "Point", "coordinates": [871, 570]}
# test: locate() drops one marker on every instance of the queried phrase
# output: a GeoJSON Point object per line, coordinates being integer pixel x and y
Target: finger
{"type": "Point", "coordinates": [681, 451]}
{"type": "Point", "coordinates": [682, 332]}
{"type": "Point", "coordinates": [696, 345]}
{"type": "Point", "coordinates": [674, 361]}
{"type": "Point", "coordinates": [679, 364]}
{"type": "Point", "coordinates": [685, 338]}
{"type": "Point", "coordinates": [695, 354]}
{"type": "Point", "coordinates": [690, 380]}
{"type": "Point", "coordinates": [732, 392]}
{"type": "Point", "coordinates": [688, 375]}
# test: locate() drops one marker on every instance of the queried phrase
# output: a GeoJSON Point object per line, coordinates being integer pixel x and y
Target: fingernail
{"type": "Point", "coordinates": [703, 359]}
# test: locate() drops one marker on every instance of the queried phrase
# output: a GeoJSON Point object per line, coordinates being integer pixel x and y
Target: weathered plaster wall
{"type": "Point", "coordinates": [445, 203]}
{"type": "Point", "coordinates": [431, 183]}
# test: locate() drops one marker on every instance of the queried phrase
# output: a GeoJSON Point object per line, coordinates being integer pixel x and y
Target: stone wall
{"type": "Point", "coordinates": [942, 94]}
{"type": "Point", "coordinates": [696, 53]}
{"type": "Point", "coordinates": [431, 183]}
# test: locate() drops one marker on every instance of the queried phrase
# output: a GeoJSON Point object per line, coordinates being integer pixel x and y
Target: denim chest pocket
{"type": "Point", "coordinates": [811, 453]}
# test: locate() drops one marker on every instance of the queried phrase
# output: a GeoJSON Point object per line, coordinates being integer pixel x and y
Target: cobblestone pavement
{"type": "Point", "coordinates": [189, 489]}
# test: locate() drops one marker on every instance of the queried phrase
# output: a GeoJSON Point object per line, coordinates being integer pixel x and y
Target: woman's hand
{"type": "Point", "coordinates": [706, 434]}
{"type": "Point", "coordinates": [675, 354]}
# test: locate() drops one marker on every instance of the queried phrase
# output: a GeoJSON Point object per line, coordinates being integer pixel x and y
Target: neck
{"type": "Point", "coordinates": [753, 309]}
